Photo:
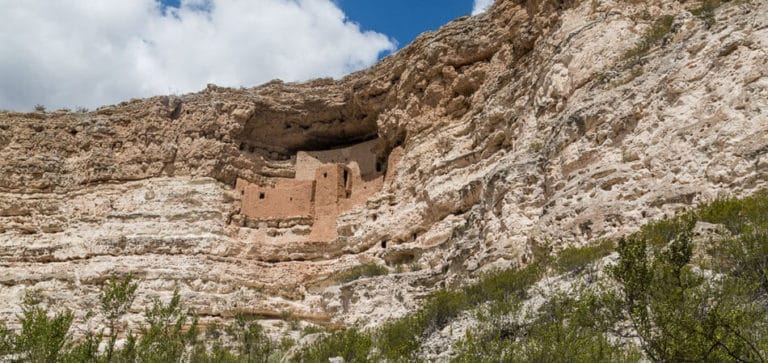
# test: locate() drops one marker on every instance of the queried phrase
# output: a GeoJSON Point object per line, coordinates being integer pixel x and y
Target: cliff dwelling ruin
{"type": "Point", "coordinates": [327, 183]}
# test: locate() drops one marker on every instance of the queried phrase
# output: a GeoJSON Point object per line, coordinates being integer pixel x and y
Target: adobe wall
{"type": "Point", "coordinates": [288, 198]}
{"type": "Point", "coordinates": [361, 157]}
{"type": "Point", "coordinates": [330, 188]}
{"type": "Point", "coordinates": [327, 184]}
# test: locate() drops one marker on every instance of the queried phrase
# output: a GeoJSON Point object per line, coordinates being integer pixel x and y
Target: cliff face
{"type": "Point", "coordinates": [559, 122]}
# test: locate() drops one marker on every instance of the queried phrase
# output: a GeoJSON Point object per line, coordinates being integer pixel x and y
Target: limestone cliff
{"type": "Point", "coordinates": [558, 121]}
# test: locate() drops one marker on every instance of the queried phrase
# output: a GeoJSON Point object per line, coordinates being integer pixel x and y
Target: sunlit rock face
{"type": "Point", "coordinates": [524, 124]}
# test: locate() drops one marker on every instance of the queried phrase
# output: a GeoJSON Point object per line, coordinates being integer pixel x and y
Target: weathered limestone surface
{"type": "Point", "coordinates": [519, 125]}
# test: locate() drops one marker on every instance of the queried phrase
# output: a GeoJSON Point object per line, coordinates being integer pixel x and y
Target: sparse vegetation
{"type": "Point", "coordinates": [170, 334]}
{"type": "Point", "coordinates": [706, 11]}
{"type": "Point", "coordinates": [655, 34]}
{"type": "Point", "coordinates": [39, 108]}
{"type": "Point", "coordinates": [43, 338]}
{"type": "Point", "coordinates": [399, 340]}
{"type": "Point", "coordinates": [361, 271]}
{"type": "Point", "coordinates": [632, 59]}
{"type": "Point", "coordinates": [681, 315]}
{"type": "Point", "coordinates": [655, 293]}
{"type": "Point", "coordinates": [116, 298]}
{"type": "Point", "coordinates": [564, 329]}
{"type": "Point", "coordinates": [352, 344]}
{"type": "Point", "coordinates": [291, 319]}
{"type": "Point", "coordinates": [576, 258]}
{"type": "Point", "coordinates": [654, 302]}
{"type": "Point", "coordinates": [313, 329]}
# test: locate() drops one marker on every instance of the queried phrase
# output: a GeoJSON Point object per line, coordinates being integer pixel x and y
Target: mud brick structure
{"type": "Point", "coordinates": [327, 183]}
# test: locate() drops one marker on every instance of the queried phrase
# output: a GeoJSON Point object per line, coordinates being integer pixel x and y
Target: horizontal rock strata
{"type": "Point", "coordinates": [529, 123]}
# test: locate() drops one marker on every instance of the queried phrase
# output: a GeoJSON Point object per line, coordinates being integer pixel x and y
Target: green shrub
{"type": "Point", "coordinates": [677, 311]}
{"type": "Point", "coordinates": [399, 340]}
{"type": "Point", "coordinates": [658, 234]}
{"type": "Point", "coordinates": [745, 258]}
{"type": "Point", "coordinates": [169, 335]}
{"type": "Point", "coordinates": [85, 350]}
{"type": "Point", "coordinates": [706, 11]}
{"type": "Point", "coordinates": [737, 215]}
{"type": "Point", "coordinates": [502, 284]}
{"type": "Point", "coordinates": [253, 344]}
{"type": "Point", "coordinates": [116, 298]}
{"type": "Point", "coordinates": [43, 338]}
{"type": "Point", "coordinates": [313, 329]}
{"type": "Point", "coordinates": [243, 340]}
{"type": "Point", "coordinates": [291, 319]}
{"type": "Point", "coordinates": [352, 344]}
{"type": "Point", "coordinates": [6, 340]}
{"type": "Point", "coordinates": [681, 316]}
{"type": "Point", "coordinates": [441, 308]}
{"type": "Point", "coordinates": [570, 330]}
{"type": "Point", "coordinates": [564, 329]}
{"type": "Point", "coordinates": [166, 334]}
{"type": "Point", "coordinates": [577, 258]}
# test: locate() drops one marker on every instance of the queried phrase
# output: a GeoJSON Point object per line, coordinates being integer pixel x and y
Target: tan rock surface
{"type": "Point", "coordinates": [518, 125]}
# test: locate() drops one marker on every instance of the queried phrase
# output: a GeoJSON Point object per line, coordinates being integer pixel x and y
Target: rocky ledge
{"type": "Point", "coordinates": [558, 121]}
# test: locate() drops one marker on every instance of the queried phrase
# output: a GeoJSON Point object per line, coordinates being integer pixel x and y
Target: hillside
{"type": "Point", "coordinates": [554, 123]}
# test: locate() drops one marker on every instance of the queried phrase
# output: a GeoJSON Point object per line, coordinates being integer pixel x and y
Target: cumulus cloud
{"type": "Point", "coordinates": [481, 6]}
{"type": "Point", "coordinates": [69, 53]}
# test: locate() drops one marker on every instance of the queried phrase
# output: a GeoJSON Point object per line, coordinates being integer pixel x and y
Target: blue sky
{"type": "Point", "coordinates": [86, 53]}
{"type": "Point", "coordinates": [401, 20]}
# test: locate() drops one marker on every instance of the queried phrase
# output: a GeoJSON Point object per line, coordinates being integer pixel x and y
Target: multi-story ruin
{"type": "Point", "coordinates": [327, 183]}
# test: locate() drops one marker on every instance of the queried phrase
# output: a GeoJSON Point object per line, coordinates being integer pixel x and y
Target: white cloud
{"type": "Point", "coordinates": [481, 6]}
{"type": "Point", "coordinates": [68, 53]}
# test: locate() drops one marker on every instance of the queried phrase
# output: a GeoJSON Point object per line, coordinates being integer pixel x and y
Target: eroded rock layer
{"type": "Point", "coordinates": [532, 122]}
